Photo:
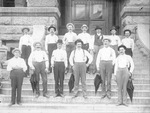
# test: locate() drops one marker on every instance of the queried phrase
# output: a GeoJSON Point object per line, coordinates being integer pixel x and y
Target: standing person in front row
{"type": "Point", "coordinates": [69, 39]}
{"type": "Point", "coordinates": [122, 74]}
{"type": "Point", "coordinates": [128, 42]}
{"type": "Point", "coordinates": [26, 46]}
{"type": "Point", "coordinates": [38, 61]}
{"type": "Point", "coordinates": [50, 43]}
{"type": "Point", "coordinates": [17, 67]}
{"type": "Point", "coordinates": [115, 40]}
{"type": "Point", "coordinates": [105, 61]}
{"type": "Point", "coordinates": [59, 63]}
{"type": "Point", "coordinates": [77, 60]}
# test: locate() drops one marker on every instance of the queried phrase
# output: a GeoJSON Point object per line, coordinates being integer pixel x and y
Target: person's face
{"type": "Point", "coordinates": [113, 32]}
{"type": "Point", "coordinates": [84, 29]}
{"type": "Point", "coordinates": [106, 43]}
{"type": "Point", "coordinates": [25, 31]}
{"type": "Point", "coordinates": [59, 45]}
{"type": "Point", "coordinates": [70, 28]}
{"type": "Point", "coordinates": [52, 31]}
{"type": "Point", "coordinates": [127, 34]}
{"type": "Point", "coordinates": [79, 45]}
{"type": "Point", "coordinates": [38, 46]}
{"type": "Point", "coordinates": [121, 51]}
{"type": "Point", "coordinates": [98, 31]}
{"type": "Point", "coordinates": [17, 54]}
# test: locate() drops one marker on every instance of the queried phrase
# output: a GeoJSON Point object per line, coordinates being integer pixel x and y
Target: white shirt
{"type": "Point", "coordinates": [59, 55]}
{"type": "Point", "coordinates": [115, 40]}
{"type": "Point", "coordinates": [80, 55]}
{"type": "Point", "coordinates": [50, 39]}
{"type": "Point", "coordinates": [106, 54]}
{"type": "Point", "coordinates": [123, 61]}
{"type": "Point", "coordinates": [69, 37]}
{"type": "Point", "coordinates": [26, 40]}
{"type": "Point", "coordinates": [16, 62]}
{"type": "Point", "coordinates": [86, 38]}
{"type": "Point", "coordinates": [38, 56]}
{"type": "Point", "coordinates": [128, 42]}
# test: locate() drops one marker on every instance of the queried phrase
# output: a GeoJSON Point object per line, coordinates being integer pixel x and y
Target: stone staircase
{"type": "Point", "coordinates": [94, 103]}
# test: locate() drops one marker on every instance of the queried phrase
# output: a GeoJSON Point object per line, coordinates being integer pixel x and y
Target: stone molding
{"type": "Point", "coordinates": [30, 11]}
{"type": "Point", "coordinates": [135, 11]}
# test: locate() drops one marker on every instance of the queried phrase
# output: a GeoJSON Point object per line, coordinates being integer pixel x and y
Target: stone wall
{"type": "Point", "coordinates": [133, 14]}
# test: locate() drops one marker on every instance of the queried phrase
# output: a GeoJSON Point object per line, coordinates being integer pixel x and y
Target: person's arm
{"type": "Point", "coordinates": [46, 47]}
{"type": "Point", "coordinates": [98, 59]}
{"type": "Point", "coordinates": [71, 58]}
{"type": "Point", "coordinates": [52, 58]}
{"type": "Point", "coordinates": [132, 46]}
{"type": "Point", "coordinates": [119, 41]}
{"type": "Point", "coordinates": [65, 59]}
{"type": "Point", "coordinates": [56, 38]}
{"type": "Point", "coordinates": [30, 61]}
{"type": "Point", "coordinates": [24, 66]}
{"type": "Point", "coordinates": [116, 66]}
{"type": "Point", "coordinates": [113, 56]}
{"type": "Point", "coordinates": [65, 39]}
{"type": "Point", "coordinates": [131, 64]}
{"type": "Point", "coordinates": [46, 59]}
{"type": "Point", "coordinates": [20, 43]}
{"type": "Point", "coordinates": [9, 66]}
{"type": "Point", "coordinates": [74, 37]}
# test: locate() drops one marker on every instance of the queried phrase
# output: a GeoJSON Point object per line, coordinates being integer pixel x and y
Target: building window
{"type": "Point", "coordinates": [8, 3]}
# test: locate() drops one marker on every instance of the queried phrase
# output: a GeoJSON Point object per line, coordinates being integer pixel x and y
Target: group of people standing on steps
{"type": "Point", "coordinates": [107, 54]}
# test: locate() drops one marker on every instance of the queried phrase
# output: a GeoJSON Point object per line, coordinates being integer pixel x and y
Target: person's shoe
{"type": "Point", "coordinates": [46, 95]}
{"type": "Point", "coordinates": [108, 96]}
{"type": "Point", "coordinates": [125, 104]}
{"type": "Point", "coordinates": [62, 95]}
{"type": "Point", "coordinates": [56, 95]}
{"type": "Point", "coordinates": [75, 95]}
{"type": "Point", "coordinates": [119, 104]}
{"type": "Point", "coordinates": [11, 104]}
{"type": "Point", "coordinates": [103, 96]}
{"type": "Point", "coordinates": [20, 104]}
{"type": "Point", "coordinates": [37, 96]}
{"type": "Point", "coordinates": [85, 97]}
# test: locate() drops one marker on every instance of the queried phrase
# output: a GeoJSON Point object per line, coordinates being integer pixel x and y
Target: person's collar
{"type": "Point", "coordinates": [99, 34]}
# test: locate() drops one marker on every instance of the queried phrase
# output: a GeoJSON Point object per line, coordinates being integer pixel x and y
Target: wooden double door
{"type": "Point", "coordinates": [92, 13]}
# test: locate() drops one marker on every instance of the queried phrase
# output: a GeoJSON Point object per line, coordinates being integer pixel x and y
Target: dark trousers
{"type": "Point", "coordinates": [51, 48]}
{"type": "Point", "coordinates": [129, 52]}
{"type": "Point", "coordinates": [16, 77]}
{"type": "Point", "coordinates": [59, 70]}
{"type": "Point", "coordinates": [26, 50]}
{"type": "Point", "coordinates": [106, 74]}
{"type": "Point", "coordinates": [40, 69]}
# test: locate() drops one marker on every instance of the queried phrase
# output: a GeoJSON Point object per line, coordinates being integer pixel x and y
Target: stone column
{"type": "Point", "coordinates": [20, 3]}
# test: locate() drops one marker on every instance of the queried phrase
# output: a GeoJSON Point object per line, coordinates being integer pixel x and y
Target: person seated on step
{"type": "Point", "coordinates": [122, 74]}
{"type": "Point", "coordinates": [59, 64]}
{"type": "Point", "coordinates": [17, 67]}
{"type": "Point", "coordinates": [38, 61]}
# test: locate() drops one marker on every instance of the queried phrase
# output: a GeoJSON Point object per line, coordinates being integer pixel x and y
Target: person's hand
{"type": "Point", "coordinates": [46, 70]}
{"type": "Point", "coordinates": [87, 64]}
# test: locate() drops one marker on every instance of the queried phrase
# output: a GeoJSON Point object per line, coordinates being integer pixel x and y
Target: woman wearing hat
{"type": "Point", "coordinates": [59, 63]}
{"type": "Point", "coordinates": [38, 61]}
{"type": "Point", "coordinates": [115, 40]}
{"type": "Point", "coordinates": [97, 42]}
{"type": "Point", "coordinates": [122, 74]}
{"type": "Point", "coordinates": [25, 45]}
{"type": "Point", "coordinates": [69, 39]}
{"type": "Point", "coordinates": [17, 68]}
{"type": "Point", "coordinates": [104, 63]}
{"type": "Point", "coordinates": [50, 43]}
{"type": "Point", "coordinates": [128, 42]}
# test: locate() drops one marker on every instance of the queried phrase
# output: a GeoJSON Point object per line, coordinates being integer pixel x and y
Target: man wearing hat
{"type": "Point", "coordinates": [78, 60]}
{"type": "Point", "coordinates": [128, 42]}
{"type": "Point", "coordinates": [122, 74]}
{"type": "Point", "coordinates": [104, 63]}
{"type": "Point", "coordinates": [115, 40]}
{"type": "Point", "coordinates": [26, 45]}
{"type": "Point", "coordinates": [97, 43]}
{"type": "Point", "coordinates": [17, 67]}
{"type": "Point", "coordinates": [50, 43]}
{"type": "Point", "coordinates": [69, 39]}
{"type": "Point", "coordinates": [38, 61]}
{"type": "Point", "coordinates": [59, 63]}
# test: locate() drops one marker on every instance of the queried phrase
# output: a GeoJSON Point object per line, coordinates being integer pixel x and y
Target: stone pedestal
{"type": "Point", "coordinates": [42, 3]}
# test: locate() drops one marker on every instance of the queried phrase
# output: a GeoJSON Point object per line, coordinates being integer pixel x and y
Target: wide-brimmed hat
{"type": "Point", "coordinates": [84, 25]}
{"type": "Point", "coordinates": [98, 27]}
{"type": "Point", "coordinates": [60, 41]}
{"type": "Point", "coordinates": [52, 27]}
{"type": "Point", "coordinates": [25, 28]}
{"type": "Point", "coordinates": [16, 49]}
{"type": "Point", "coordinates": [106, 38]}
{"type": "Point", "coordinates": [37, 43]}
{"type": "Point", "coordinates": [70, 24]}
{"type": "Point", "coordinates": [122, 46]}
{"type": "Point", "coordinates": [77, 41]}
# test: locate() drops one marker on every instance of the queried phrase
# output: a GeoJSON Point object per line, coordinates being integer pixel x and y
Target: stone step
{"type": "Point", "coordinates": [90, 92]}
{"type": "Point", "coordinates": [51, 85]}
{"type": "Point", "coordinates": [73, 108]}
{"type": "Point", "coordinates": [79, 99]}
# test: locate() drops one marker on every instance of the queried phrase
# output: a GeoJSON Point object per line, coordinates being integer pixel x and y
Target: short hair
{"type": "Point", "coordinates": [122, 47]}
{"type": "Point", "coordinates": [78, 40]}
{"type": "Point", "coordinates": [127, 30]}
